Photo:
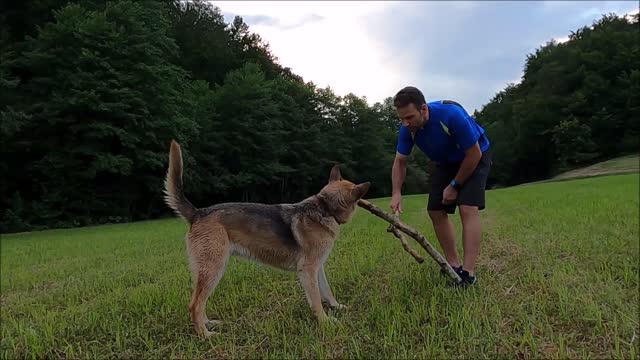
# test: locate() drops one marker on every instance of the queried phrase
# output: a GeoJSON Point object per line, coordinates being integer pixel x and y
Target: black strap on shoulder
{"type": "Point", "coordinates": [450, 102]}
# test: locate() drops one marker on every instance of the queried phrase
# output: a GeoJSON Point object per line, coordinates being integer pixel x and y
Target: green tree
{"type": "Point", "coordinates": [577, 103]}
{"type": "Point", "coordinates": [253, 136]}
{"type": "Point", "coordinates": [204, 41]}
{"type": "Point", "coordinates": [104, 103]}
{"type": "Point", "coordinates": [573, 143]}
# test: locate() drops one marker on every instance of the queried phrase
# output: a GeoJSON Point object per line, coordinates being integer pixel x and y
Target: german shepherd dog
{"type": "Point", "coordinates": [294, 237]}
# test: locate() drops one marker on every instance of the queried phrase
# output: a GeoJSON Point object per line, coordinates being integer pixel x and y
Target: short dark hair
{"type": "Point", "coordinates": [409, 95]}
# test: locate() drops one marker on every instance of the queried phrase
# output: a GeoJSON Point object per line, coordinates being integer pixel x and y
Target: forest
{"type": "Point", "coordinates": [92, 93]}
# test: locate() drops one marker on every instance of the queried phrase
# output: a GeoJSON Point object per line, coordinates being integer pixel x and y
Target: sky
{"type": "Point", "coordinates": [460, 50]}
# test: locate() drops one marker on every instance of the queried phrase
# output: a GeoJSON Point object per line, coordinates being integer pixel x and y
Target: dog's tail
{"type": "Point", "coordinates": [173, 189]}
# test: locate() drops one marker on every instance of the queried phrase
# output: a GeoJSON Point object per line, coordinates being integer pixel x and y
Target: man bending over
{"type": "Point", "coordinates": [459, 147]}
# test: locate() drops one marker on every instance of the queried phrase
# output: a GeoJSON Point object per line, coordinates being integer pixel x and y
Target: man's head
{"type": "Point", "coordinates": [411, 107]}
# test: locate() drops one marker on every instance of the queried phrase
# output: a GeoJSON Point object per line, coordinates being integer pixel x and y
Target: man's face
{"type": "Point", "coordinates": [411, 117]}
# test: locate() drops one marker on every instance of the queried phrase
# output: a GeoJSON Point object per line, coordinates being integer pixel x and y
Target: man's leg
{"type": "Point", "coordinates": [446, 235]}
{"type": "Point", "coordinates": [471, 200]}
{"type": "Point", "coordinates": [471, 235]}
{"type": "Point", "coordinates": [438, 212]}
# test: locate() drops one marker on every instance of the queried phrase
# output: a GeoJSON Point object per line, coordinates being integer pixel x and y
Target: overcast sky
{"type": "Point", "coordinates": [465, 51]}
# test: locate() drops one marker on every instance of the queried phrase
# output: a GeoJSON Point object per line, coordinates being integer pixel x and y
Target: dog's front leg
{"type": "Point", "coordinates": [308, 276]}
{"type": "Point", "coordinates": [325, 290]}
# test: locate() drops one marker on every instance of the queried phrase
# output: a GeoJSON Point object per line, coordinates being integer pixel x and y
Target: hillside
{"type": "Point", "coordinates": [620, 165]}
{"type": "Point", "coordinates": [617, 166]}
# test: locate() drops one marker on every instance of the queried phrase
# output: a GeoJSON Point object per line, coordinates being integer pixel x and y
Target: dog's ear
{"type": "Point", "coordinates": [360, 190]}
{"type": "Point", "coordinates": [335, 174]}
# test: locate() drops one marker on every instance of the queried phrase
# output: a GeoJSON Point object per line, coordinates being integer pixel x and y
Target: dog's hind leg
{"type": "Point", "coordinates": [325, 290]}
{"type": "Point", "coordinates": [210, 254]}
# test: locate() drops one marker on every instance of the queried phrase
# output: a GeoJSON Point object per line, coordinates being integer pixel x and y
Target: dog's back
{"type": "Point", "coordinates": [254, 219]}
{"type": "Point", "coordinates": [258, 232]}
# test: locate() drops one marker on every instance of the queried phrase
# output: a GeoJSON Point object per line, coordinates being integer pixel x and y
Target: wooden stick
{"type": "Point", "coordinates": [414, 234]}
{"type": "Point", "coordinates": [392, 229]}
{"type": "Point", "coordinates": [405, 245]}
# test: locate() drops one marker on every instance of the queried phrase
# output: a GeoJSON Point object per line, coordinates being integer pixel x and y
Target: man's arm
{"type": "Point", "coordinates": [403, 149]}
{"type": "Point", "coordinates": [471, 160]}
{"type": "Point", "coordinates": [398, 173]}
{"type": "Point", "coordinates": [466, 136]}
{"type": "Point", "coordinates": [399, 170]}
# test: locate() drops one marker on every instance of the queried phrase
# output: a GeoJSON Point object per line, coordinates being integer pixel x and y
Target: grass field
{"type": "Point", "coordinates": [620, 165]}
{"type": "Point", "coordinates": [558, 278]}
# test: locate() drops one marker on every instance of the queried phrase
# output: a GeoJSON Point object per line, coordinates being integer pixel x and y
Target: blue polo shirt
{"type": "Point", "coordinates": [449, 132]}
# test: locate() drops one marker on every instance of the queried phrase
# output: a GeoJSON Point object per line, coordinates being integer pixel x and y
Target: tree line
{"type": "Point", "coordinates": [93, 92]}
{"type": "Point", "coordinates": [577, 103]}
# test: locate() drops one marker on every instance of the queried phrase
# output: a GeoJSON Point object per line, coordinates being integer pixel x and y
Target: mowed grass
{"type": "Point", "coordinates": [620, 165]}
{"type": "Point", "coordinates": [558, 278]}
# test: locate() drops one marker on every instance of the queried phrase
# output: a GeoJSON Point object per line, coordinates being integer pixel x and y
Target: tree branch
{"type": "Point", "coordinates": [405, 245]}
{"type": "Point", "coordinates": [397, 225]}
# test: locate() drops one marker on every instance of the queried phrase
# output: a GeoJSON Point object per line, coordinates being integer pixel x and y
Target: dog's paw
{"type": "Point", "coordinates": [205, 333]}
{"type": "Point", "coordinates": [213, 322]}
{"type": "Point", "coordinates": [328, 320]}
{"type": "Point", "coordinates": [338, 306]}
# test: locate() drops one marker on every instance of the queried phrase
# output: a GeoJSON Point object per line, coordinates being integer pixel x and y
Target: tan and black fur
{"type": "Point", "coordinates": [295, 237]}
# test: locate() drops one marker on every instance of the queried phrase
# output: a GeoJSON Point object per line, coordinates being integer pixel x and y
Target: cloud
{"type": "Point", "coordinates": [632, 13]}
{"type": "Point", "coordinates": [253, 20]}
{"type": "Point", "coordinates": [325, 42]}
{"type": "Point", "coordinates": [589, 13]}
{"type": "Point", "coordinates": [550, 6]}
{"type": "Point", "coordinates": [461, 50]}
{"type": "Point", "coordinates": [470, 55]}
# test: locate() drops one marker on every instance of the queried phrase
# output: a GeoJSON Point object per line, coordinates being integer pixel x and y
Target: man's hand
{"type": "Point", "coordinates": [449, 195]}
{"type": "Point", "coordinates": [396, 203]}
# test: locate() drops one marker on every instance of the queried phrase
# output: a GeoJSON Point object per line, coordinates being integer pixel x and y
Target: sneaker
{"type": "Point", "coordinates": [467, 280]}
{"type": "Point", "coordinates": [456, 269]}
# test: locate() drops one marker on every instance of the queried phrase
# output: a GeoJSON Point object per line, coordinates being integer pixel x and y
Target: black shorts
{"type": "Point", "coordinates": [472, 192]}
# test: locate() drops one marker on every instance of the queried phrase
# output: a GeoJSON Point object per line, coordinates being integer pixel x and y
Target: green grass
{"type": "Point", "coordinates": [628, 164]}
{"type": "Point", "coordinates": [558, 278]}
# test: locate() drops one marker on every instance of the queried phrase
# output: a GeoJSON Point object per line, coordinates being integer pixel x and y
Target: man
{"type": "Point", "coordinates": [460, 149]}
